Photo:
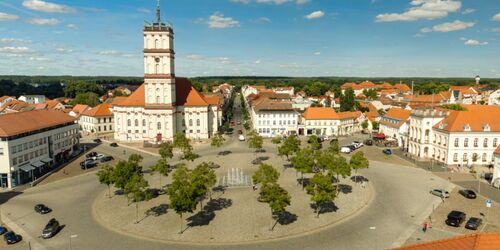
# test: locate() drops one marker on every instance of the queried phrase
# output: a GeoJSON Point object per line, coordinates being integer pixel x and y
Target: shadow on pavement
{"type": "Point", "coordinates": [4, 197]}
{"type": "Point", "coordinates": [325, 208]}
{"type": "Point", "coordinates": [344, 188]}
{"type": "Point", "coordinates": [286, 218]}
{"type": "Point", "coordinates": [359, 179]}
{"type": "Point", "coordinates": [157, 210]}
{"type": "Point", "coordinates": [206, 215]}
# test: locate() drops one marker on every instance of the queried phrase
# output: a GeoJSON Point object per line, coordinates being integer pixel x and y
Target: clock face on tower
{"type": "Point", "coordinates": [157, 59]}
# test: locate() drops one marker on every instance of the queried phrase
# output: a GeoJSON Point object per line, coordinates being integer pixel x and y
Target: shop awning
{"type": "Point", "coordinates": [47, 160]}
{"type": "Point", "coordinates": [380, 136]}
{"type": "Point", "coordinates": [38, 164]}
{"type": "Point", "coordinates": [26, 168]}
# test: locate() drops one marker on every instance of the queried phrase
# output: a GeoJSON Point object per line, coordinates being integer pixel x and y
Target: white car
{"type": "Point", "coordinates": [98, 157]}
{"type": "Point", "coordinates": [357, 144]}
{"type": "Point", "coordinates": [241, 138]}
{"type": "Point", "coordinates": [345, 150]}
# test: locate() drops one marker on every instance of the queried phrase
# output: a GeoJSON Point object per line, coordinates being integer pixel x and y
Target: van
{"type": "Point", "coordinates": [345, 150]}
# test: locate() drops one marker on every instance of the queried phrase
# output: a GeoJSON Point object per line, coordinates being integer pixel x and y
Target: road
{"type": "Point", "coordinates": [401, 203]}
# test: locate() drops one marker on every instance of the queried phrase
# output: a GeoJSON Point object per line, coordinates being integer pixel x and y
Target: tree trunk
{"type": "Point", "coordinates": [274, 225]}
{"type": "Point", "coordinates": [318, 209]}
{"type": "Point", "coordinates": [109, 191]}
{"type": "Point", "coordinates": [180, 232]}
{"type": "Point", "coordinates": [136, 211]}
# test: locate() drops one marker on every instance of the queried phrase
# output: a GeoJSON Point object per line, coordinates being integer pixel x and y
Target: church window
{"type": "Point", "coordinates": [144, 122]}
{"type": "Point", "coordinates": [136, 122]}
{"type": "Point", "coordinates": [157, 99]}
{"type": "Point", "coordinates": [157, 69]}
{"type": "Point", "coordinates": [198, 122]}
{"type": "Point", "coordinates": [157, 44]}
{"type": "Point", "coordinates": [190, 122]}
{"type": "Point", "coordinates": [129, 123]}
{"type": "Point", "coordinates": [158, 125]}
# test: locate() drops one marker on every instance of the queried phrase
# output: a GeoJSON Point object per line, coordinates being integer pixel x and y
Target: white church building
{"type": "Point", "coordinates": [164, 104]}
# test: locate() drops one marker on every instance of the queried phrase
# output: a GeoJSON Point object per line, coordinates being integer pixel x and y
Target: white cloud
{"type": "Point", "coordinates": [423, 9]}
{"type": "Point", "coordinates": [7, 17]}
{"type": "Point", "coordinates": [115, 53]}
{"type": "Point", "coordinates": [468, 11]}
{"type": "Point", "coordinates": [496, 17]}
{"type": "Point", "coordinates": [14, 40]}
{"type": "Point", "coordinates": [43, 6]}
{"type": "Point", "coordinates": [447, 27]}
{"type": "Point", "coordinates": [317, 53]}
{"type": "Point", "coordinates": [472, 42]}
{"type": "Point", "coordinates": [261, 20]}
{"type": "Point", "coordinates": [72, 26]}
{"type": "Point", "coordinates": [258, 61]}
{"type": "Point", "coordinates": [315, 14]}
{"type": "Point", "coordinates": [16, 50]}
{"type": "Point", "coordinates": [241, 1]}
{"type": "Point", "coordinates": [43, 21]}
{"type": "Point", "coordinates": [218, 21]}
{"type": "Point", "coordinates": [64, 50]}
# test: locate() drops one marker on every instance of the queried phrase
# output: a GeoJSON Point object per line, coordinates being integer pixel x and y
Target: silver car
{"type": "Point", "coordinates": [440, 193]}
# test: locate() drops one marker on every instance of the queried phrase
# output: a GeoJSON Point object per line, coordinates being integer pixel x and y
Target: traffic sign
{"type": "Point", "coordinates": [489, 203]}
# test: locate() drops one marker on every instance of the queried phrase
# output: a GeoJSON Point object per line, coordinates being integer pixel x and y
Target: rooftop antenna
{"type": "Point", "coordinates": [158, 15]}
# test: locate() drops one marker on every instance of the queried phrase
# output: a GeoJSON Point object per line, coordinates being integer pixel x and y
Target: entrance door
{"type": "Point", "coordinates": [158, 137]}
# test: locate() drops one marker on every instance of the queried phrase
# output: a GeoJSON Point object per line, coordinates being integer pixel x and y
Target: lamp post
{"type": "Point", "coordinates": [72, 236]}
{"type": "Point", "coordinates": [376, 236]}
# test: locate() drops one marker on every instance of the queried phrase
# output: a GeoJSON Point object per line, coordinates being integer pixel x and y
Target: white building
{"type": "Point", "coordinates": [452, 137]}
{"type": "Point", "coordinates": [495, 181]}
{"type": "Point", "coordinates": [394, 124]}
{"type": "Point", "coordinates": [97, 120]}
{"type": "Point", "coordinates": [32, 99]}
{"type": "Point", "coordinates": [272, 117]}
{"type": "Point", "coordinates": [31, 141]}
{"type": "Point", "coordinates": [494, 98]}
{"type": "Point", "coordinates": [326, 122]}
{"type": "Point", "coordinates": [164, 104]}
{"type": "Point", "coordinates": [285, 90]}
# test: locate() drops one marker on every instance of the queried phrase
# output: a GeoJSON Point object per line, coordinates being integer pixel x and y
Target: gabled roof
{"type": "Point", "coordinates": [98, 111]}
{"type": "Point", "coordinates": [80, 108]}
{"type": "Point", "coordinates": [399, 114]}
{"type": "Point", "coordinates": [402, 87]}
{"type": "Point", "coordinates": [22, 122]}
{"type": "Point", "coordinates": [349, 115]}
{"type": "Point", "coordinates": [52, 104]}
{"type": "Point", "coordinates": [385, 85]}
{"type": "Point", "coordinates": [477, 118]}
{"type": "Point", "coordinates": [477, 241]}
{"type": "Point", "coordinates": [212, 99]}
{"type": "Point", "coordinates": [320, 113]}
{"type": "Point", "coordinates": [135, 99]}
{"type": "Point", "coordinates": [273, 105]}
{"type": "Point", "coordinates": [186, 94]}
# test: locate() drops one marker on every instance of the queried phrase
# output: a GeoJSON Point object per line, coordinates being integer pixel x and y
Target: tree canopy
{"type": "Point", "coordinates": [321, 190]}
{"type": "Point", "coordinates": [90, 98]}
{"type": "Point", "coordinates": [347, 100]}
{"type": "Point", "coordinates": [265, 174]}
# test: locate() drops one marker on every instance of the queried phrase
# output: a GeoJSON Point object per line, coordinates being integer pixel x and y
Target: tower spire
{"type": "Point", "coordinates": [158, 15]}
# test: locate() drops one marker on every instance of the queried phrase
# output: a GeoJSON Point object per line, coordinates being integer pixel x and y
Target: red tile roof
{"type": "Point", "coordinates": [402, 115]}
{"type": "Point", "coordinates": [99, 110]}
{"type": "Point", "coordinates": [320, 113]}
{"type": "Point", "coordinates": [22, 122]}
{"type": "Point", "coordinates": [79, 108]}
{"type": "Point", "coordinates": [476, 117]}
{"type": "Point", "coordinates": [477, 241]}
{"type": "Point", "coordinates": [497, 151]}
{"type": "Point", "coordinates": [402, 87]}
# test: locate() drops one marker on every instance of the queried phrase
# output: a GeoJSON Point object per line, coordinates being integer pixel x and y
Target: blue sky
{"type": "Point", "coordinates": [365, 38]}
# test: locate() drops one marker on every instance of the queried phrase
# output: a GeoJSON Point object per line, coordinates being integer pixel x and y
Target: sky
{"type": "Point", "coordinates": [361, 38]}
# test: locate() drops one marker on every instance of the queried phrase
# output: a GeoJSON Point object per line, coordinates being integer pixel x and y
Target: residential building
{"type": "Point", "coordinates": [32, 99]}
{"type": "Point", "coordinates": [465, 95]}
{"type": "Point", "coordinates": [494, 98]}
{"type": "Point", "coordinates": [164, 104]}
{"type": "Point", "coordinates": [394, 124]}
{"type": "Point", "coordinates": [285, 90]}
{"type": "Point", "coordinates": [455, 137]}
{"type": "Point", "coordinates": [476, 241]}
{"type": "Point", "coordinates": [31, 141]}
{"type": "Point", "coordinates": [325, 121]}
{"type": "Point", "coordinates": [301, 103]}
{"type": "Point", "coordinates": [78, 110]}
{"type": "Point", "coordinates": [99, 119]}
{"type": "Point", "coordinates": [272, 117]}
{"type": "Point", "coordinates": [5, 99]}
{"type": "Point", "coordinates": [495, 181]}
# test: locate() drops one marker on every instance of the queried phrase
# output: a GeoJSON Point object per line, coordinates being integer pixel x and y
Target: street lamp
{"type": "Point", "coordinates": [376, 236]}
{"type": "Point", "coordinates": [72, 236]}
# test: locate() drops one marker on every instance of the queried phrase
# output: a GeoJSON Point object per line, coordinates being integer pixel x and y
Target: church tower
{"type": "Point", "coordinates": [159, 63]}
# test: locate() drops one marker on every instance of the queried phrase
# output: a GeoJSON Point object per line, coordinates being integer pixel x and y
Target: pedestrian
{"type": "Point", "coordinates": [253, 187]}
{"type": "Point", "coordinates": [425, 227]}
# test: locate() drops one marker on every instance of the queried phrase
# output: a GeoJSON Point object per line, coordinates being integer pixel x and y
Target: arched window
{"type": "Point", "coordinates": [158, 99]}
{"type": "Point", "coordinates": [484, 157]}
{"type": "Point", "coordinates": [129, 122]}
{"type": "Point", "coordinates": [485, 142]}
{"type": "Point", "coordinates": [476, 140]}
{"type": "Point", "coordinates": [198, 122]}
{"type": "Point", "coordinates": [456, 142]}
{"type": "Point", "coordinates": [158, 125]}
{"type": "Point", "coordinates": [495, 142]}
{"type": "Point", "coordinates": [157, 44]}
{"type": "Point", "coordinates": [465, 157]}
{"type": "Point", "coordinates": [157, 69]}
{"type": "Point", "coordinates": [144, 122]}
{"type": "Point", "coordinates": [190, 122]}
{"type": "Point", "coordinates": [136, 123]}
{"type": "Point", "coordinates": [466, 142]}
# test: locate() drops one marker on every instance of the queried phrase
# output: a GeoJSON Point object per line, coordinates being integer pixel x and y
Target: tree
{"type": "Point", "coordinates": [276, 140]}
{"type": "Point", "coordinates": [74, 88]}
{"type": "Point", "coordinates": [364, 124]}
{"type": "Point", "coordinates": [339, 167]}
{"type": "Point", "coordinates": [277, 198]}
{"type": "Point", "coordinates": [454, 106]}
{"type": "Point", "coordinates": [328, 102]}
{"type": "Point", "coordinates": [217, 140]}
{"type": "Point", "coordinates": [265, 174]}
{"type": "Point", "coordinates": [124, 170]}
{"type": "Point", "coordinates": [358, 161]}
{"type": "Point", "coordinates": [105, 175]}
{"type": "Point", "coordinates": [184, 144]}
{"type": "Point", "coordinates": [255, 141]}
{"type": "Point", "coordinates": [203, 178]}
{"type": "Point", "coordinates": [166, 151]}
{"type": "Point", "coordinates": [371, 94]}
{"type": "Point", "coordinates": [315, 144]}
{"type": "Point", "coordinates": [322, 191]}
{"type": "Point", "coordinates": [136, 192]}
{"type": "Point", "coordinates": [375, 125]}
{"type": "Point", "coordinates": [181, 193]}
{"type": "Point", "coordinates": [334, 147]}
{"type": "Point", "coordinates": [347, 100]}
{"type": "Point", "coordinates": [303, 162]}
{"type": "Point", "coordinates": [290, 146]}
{"type": "Point", "coordinates": [162, 167]}
{"type": "Point", "coordinates": [90, 98]}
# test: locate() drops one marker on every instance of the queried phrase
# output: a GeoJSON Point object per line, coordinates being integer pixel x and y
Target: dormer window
{"type": "Point", "coordinates": [442, 125]}
{"type": "Point", "coordinates": [466, 128]}
{"type": "Point", "coordinates": [486, 128]}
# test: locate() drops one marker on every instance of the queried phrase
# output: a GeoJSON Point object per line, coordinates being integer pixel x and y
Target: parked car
{"type": "Point", "coordinates": [97, 140]}
{"type": "Point", "coordinates": [98, 157]}
{"type": "Point", "coordinates": [50, 229]}
{"type": "Point", "coordinates": [473, 223]}
{"type": "Point", "coordinates": [3, 230]}
{"type": "Point", "coordinates": [12, 238]}
{"type": "Point", "coordinates": [226, 152]}
{"type": "Point", "coordinates": [368, 142]}
{"type": "Point", "coordinates": [440, 193]}
{"type": "Point", "coordinates": [107, 158]}
{"type": "Point", "coordinates": [387, 151]}
{"type": "Point", "coordinates": [240, 132]}
{"type": "Point", "coordinates": [213, 165]}
{"type": "Point", "coordinates": [357, 144]}
{"type": "Point", "coordinates": [345, 150]}
{"type": "Point", "coordinates": [113, 144]}
{"type": "Point", "coordinates": [455, 218]}
{"type": "Point", "coordinates": [352, 147]}
{"type": "Point", "coordinates": [91, 154]}
{"type": "Point", "coordinates": [241, 138]}
{"type": "Point", "coordinates": [257, 161]}
{"type": "Point", "coordinates": [260, 150]}
{"type": "Point", "coordinates": [42, 209]}
{"type": "Point", "coordinates": [88, 164]}
{"type": "Point", "coordinates": [467, 193]}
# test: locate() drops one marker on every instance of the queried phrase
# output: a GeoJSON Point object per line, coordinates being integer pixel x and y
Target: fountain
{"type": "Point", "coordinates": [235, 177]}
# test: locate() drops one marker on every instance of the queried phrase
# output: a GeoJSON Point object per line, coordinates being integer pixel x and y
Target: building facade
{"type": "Point", "coordinates": [324, 121]}
{"type": "Point", "coordinates": [164, 104]}
{"type": "Point", "coordinates": [394, 124]}
{"type": "Point", "coordinates": [31, 141]}
{"type": "Point", "coordinates": [97, 120]}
